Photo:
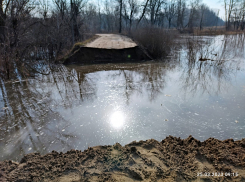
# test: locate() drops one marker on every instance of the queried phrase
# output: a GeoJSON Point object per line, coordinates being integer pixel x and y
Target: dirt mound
{"type": "Point", "coordinates": [172, 159]}
{"type": "Point", "coordinates": [88, 55]}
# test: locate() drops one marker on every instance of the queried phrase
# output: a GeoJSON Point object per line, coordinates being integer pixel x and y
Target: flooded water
{"type": "Point", "coordinates": [77, 107]}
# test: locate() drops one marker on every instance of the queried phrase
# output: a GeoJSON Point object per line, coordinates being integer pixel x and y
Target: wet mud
{"type": "Point", "coordinates": [172, 159]}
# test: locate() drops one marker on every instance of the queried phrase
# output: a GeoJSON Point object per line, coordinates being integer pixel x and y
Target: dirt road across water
{"type": "Point", "coordinates": [172, 159]}
{"type": "Point", "coordinates": [107, 48]}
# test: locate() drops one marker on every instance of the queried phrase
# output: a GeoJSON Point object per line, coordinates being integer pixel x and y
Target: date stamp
{"type": "Point", "coordinates": [217, 174]}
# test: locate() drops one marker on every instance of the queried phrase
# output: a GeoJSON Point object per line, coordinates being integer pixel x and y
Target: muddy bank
{"type": "Point", "coordinates": [172, 159]}
{"type": "Point", "coordinates": [89, 55]}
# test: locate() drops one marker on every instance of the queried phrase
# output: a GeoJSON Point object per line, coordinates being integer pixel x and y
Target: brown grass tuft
{"type": "Point", "coordinates": [75, 48]}
{"type": "Point", "coordinates": [77, 45]}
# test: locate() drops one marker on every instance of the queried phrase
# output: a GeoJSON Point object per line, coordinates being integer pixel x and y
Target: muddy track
{"type": "Point", "coordinates": [172, 159]}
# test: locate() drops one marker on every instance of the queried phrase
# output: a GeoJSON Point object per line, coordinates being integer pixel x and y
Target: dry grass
{"type": "Point", "coordinates": [75, 48]}
{"type": "Point", "coordinates": [157, 42]}
{"type": "Point", "coordinates": [77, 45]}
{"type": "Point", "coordinates": [216, 31]}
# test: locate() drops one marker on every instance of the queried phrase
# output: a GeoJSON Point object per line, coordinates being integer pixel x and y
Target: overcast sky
{"type": "Point", "coordinates": [216, 5]}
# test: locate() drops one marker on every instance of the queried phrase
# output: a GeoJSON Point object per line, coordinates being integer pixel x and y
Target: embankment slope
{"type": "Point", "coordinates": [172, 159]}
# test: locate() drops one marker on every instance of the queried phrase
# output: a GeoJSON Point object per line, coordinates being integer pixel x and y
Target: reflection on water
{"type": "Point", "coordinates": [224, 57]}
{"type": "Point", "coordinates": [117, 119]}
{"type": "Point", "coordinates": [199, 90]}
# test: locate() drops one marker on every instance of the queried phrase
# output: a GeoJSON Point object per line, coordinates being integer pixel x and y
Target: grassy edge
{"type": "Point", "coordinates": [76, 47]}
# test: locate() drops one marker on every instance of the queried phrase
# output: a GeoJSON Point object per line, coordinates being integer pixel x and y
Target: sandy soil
{"type": "Point", "coordinates": [172, 159]}
{"type": "Point", "coordinates": [112, 41]}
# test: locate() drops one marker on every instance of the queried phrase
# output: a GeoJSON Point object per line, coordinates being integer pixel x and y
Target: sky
{"type": "Point", "coordinates": [216, 5]}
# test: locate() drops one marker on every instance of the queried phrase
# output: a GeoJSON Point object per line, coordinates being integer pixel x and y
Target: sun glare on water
{"type": "Point", "coordinates": [117, 119]}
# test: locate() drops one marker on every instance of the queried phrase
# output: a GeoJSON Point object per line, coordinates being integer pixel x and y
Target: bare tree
{"type": "Point", "coordinates": [170, 10]}
{"type": "Point", "coordinates": [155, 7]}
{"type": "Point", "coordinates": [242, 14]}
{"type": "Point", "coordinates": [76, 8]}
{"type": "Point", "coordinates": [202, 12]}
{"type": "Point", "coordinates": [143, 11]}
{"type": "Point", "coordinates": [16, 18]}
{"type": "Point", "coordinates": [120, 15]}
{"type": "Point", "coordinates": [3, 10]}
{"type": "Point", "coordinates": [193, 16]}
{"type": "Point", "coordinates": [130, 10]}
{"type": "Point", "coordinates": [92, 19]}
{"type": "Point", "coordinates": [110, 17]}
{"type": "Point", "coordinates": [181, 12]}
{"type": "Point", "coordinates": [228, 11]}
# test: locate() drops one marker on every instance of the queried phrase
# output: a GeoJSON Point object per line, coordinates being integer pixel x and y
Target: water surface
{"type": "Point", "coordinates": [77, 107]}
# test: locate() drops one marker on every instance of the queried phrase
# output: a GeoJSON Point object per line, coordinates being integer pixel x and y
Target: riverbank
{"type": "Point", "coordinates": [172, 159]}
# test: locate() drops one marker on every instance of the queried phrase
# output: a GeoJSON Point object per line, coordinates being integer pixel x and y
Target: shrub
{"type": "Point", "coordinates": [157, 42]}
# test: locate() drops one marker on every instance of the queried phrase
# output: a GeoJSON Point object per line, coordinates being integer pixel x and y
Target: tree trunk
{"type": "Point", "coordinates": [143, 13]}
{"type": "Point", "coordinates": [130, 25]}
{"type": "Point", "coordinates": [2, 23]}
{"type": "Point", "coordinates": [72, 22]}
{"type": "Point", "coordinates": [226, 23]}
{"type": "Point", "coordinates": [120, 17]}
{"type": "Point", "coordinates": [242, 23]}
{"type": "Point", "coordinates": [200, 26]}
